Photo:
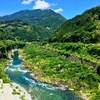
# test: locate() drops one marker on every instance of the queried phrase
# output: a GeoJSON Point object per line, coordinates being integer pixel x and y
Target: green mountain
{"type": "Point", "coordinates": [45, 18]}
{"type": "Point", "coordinates": [84, 28]}
{"type": "Point", "coordinates": [18, 30]}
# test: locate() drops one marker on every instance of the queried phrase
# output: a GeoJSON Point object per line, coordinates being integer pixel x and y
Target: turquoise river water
{"type": "Point", "coordinates": [38, 90]}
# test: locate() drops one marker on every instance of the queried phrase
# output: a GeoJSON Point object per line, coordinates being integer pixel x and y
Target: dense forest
{"type": "Point", "coordinates": [84, 28]}
{"type": "Point", "coordinates": [69, 56]}
{"type": "Point", "coordinates": [18, 30]}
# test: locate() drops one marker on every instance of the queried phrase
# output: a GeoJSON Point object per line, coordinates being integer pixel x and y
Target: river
{"type": "Point", "coordinates": [38, 90]}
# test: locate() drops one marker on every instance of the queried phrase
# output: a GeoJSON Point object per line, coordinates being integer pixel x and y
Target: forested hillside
{"type": "Point", "coordinates": [18, 30]}
{"type": "Point", "coordinates": [84, 28]}
{"type": "Point", "coordinates": [45, 18]}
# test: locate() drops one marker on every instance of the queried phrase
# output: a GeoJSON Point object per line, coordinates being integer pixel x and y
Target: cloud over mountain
{"type": "Point", "coordinates": [26, 2]}
{"type": "Point", "coordinates": [58, 10]}
{"type": "Point", "coordinates": [41, 4]}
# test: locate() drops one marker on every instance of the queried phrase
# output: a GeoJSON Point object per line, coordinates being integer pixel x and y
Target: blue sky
{"type": "Point", "coordinates": [67, 8]}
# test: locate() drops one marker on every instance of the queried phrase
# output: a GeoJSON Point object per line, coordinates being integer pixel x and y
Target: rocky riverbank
{"type": "Point", "coordinates": [58, 82]}
{"type": "Point", "coordinates": [13, 91]}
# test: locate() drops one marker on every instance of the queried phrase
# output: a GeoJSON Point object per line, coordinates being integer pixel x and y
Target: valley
{"type": "Point", "coordinates": [65, 53]}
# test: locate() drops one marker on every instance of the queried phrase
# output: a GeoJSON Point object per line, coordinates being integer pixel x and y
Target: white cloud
{"type": "Point", "coordinates": [41, 4]}
{"type": "Point", "coordinates": [53, 4]}
{"type": "Point", "coordinates": [26, 2]}
{"type": "Point", "coordinates": [58, 10]}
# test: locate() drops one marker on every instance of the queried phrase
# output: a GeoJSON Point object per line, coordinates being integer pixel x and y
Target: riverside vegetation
{"type": "Point", "coordinates": [69, 56]}
{"type": "Point", "coordinates": [47, 64]}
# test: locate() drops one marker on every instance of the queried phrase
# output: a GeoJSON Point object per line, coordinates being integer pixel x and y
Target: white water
{"type": "Point", "coordinates": [38, 90]}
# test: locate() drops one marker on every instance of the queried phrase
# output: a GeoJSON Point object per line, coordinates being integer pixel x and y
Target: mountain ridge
{"type": "Point", "coordinates": [45, 18]}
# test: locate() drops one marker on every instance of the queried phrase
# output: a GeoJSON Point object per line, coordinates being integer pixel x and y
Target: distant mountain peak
{"type": "Point", "coordinates": [45, 18]}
